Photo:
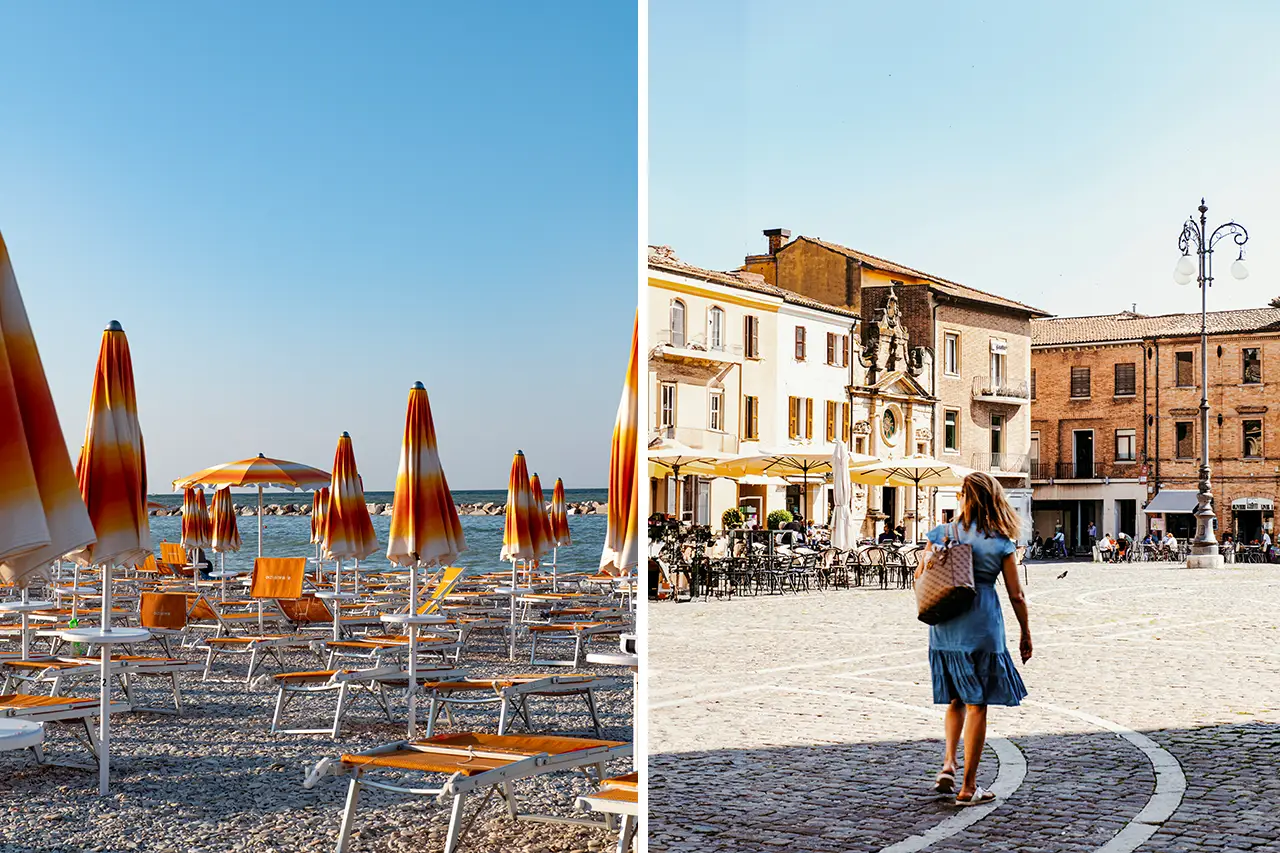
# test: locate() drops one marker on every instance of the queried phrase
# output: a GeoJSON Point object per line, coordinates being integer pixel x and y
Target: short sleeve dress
{"type": "Point", "coordinates": [967, 654]}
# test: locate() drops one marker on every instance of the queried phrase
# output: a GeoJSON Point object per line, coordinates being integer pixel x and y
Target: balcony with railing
{"type": "Point", "coordinates": [697, 438]}
{"type": "Point", "coordinates": [996, 389]}
{"type": "Point", "coordinates": [675, 345]}
{"type": "Point", "coordinates": [1042, 469]}
{"type": "Point", "coordinates": [1017, 464]}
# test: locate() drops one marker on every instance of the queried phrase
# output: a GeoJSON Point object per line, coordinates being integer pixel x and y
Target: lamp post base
{"type": "Point", "coordinates": [1205, 561]}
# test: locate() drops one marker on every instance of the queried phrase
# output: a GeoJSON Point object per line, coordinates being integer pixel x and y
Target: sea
{"type": "Point", "coordinates": [290, 536]}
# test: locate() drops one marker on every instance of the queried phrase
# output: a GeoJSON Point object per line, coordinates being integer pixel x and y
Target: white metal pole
{"type": "Point", "coordinates": [104, 697]}
{"type": "Point", "coordinates": [259, 520]}
{"type": "Point", "coordinates": [337, 601]}
{"type": "Point", "coordinates": [413, 648]}
{"type": "Point", "coordinates": [513, 610]}
{"type": "Point", "coordinates": [26, 625]}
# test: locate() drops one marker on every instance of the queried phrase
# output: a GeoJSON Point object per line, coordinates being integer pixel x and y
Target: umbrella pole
{"type": "Point", "coordinates": [259, 521]}
{"type": "Point", "coordinates": [413, 648]}
{"type": "Point", "coordinates": [104, 693]}
{"type": "Point", "coordinates": [555, 555]}
{"type": "Point", "coordinates": [222, 568]}
{"type": "Point", "coordinates": [26, 625]}
{"type": "Point", "coordinates": [75, 599]}
{"type": "Point", "coordinates": [512, 642]}
{"type": "Point", "coordinates": [337, 602]}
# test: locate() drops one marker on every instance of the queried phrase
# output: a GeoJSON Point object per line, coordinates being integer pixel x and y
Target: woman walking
{"type": "Point", "coordinates": [970, 664]}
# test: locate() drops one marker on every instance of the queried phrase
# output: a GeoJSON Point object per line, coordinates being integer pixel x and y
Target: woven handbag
{"type": "Point", "coordinates": [945, 587]}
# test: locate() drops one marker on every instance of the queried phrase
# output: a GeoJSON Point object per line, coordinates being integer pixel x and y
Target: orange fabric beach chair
{"type": "Point", "coordinates": [472, 763]}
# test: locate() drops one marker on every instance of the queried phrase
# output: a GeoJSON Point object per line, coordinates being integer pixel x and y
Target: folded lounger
{"type": "Point", "coordinates": [471, 762]}
{"type": "Point", "coordinates": [617, 796]}
{"type": "Point", "coordinates": [512, 694]}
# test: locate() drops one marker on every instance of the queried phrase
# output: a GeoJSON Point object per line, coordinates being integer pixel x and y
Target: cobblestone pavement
{"type": "Point", "coordinates": [805, 722]}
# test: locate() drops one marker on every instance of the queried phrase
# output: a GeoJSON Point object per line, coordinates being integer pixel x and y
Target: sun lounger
{"type": "Point", "coordinates": [513, 694]}
{"type": "Point", "coordinates": [472, 764]}
{"type": "Point", "coordinates": [617, 796]}
{"type": "Point", "coordinates": [57, 672]}
{"type": "Point", "coordinates": [579, 633]}
{"type": "Point", "coordinates": [59, 709]}
{"type": "Point", "coordinates": [259, 648]}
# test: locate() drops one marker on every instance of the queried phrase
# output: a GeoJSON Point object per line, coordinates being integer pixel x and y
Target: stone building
{"type": "Point", "coordinates": [1116, 434]}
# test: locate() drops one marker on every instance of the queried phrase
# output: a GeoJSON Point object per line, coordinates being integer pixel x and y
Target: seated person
{"type": "Point", "coordinates": [887, 535]}
{"type": "Point", "coordinates": [1170, 542]}
{"type": "Point", "coordinates": [1105, 545]}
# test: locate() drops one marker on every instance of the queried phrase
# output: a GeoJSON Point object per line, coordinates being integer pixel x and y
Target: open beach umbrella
{"type": "Point", "coordinates": [524, 534]}
{"type": "Point", "coordinates": [260, 471]}
{"type": "Point", "coordinates": [842, 534]}
{"type": "Point", "coordinates": [348, 530]}
{"type": "Point", "coordinates": [195, 520]}
{"type": "Point", "coordinates": [42, 515]}
{"type": "Point", "coordinates": [916, 470]}
{"type": "Point", "coordinates": [621, 551]}
{"type": "Point", "coordinates": [113, 483]}
{"type": "Point", "coordinates": [559, 528]}
{"type": "Point", "coordinates": [679, 458]}
{"type": "Point", "coordinates": [425, 528]}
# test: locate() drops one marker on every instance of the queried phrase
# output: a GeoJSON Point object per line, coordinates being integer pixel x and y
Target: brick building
{"type": "Point", "coordinates": [1115, 422]}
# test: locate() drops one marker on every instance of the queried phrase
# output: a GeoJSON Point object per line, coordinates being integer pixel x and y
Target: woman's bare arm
{"type": "Point", "coordinates": [1017, 598]}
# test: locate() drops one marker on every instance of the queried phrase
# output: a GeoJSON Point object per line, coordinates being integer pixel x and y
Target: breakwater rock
{"type": "Point", "coordinates": [249, 510]}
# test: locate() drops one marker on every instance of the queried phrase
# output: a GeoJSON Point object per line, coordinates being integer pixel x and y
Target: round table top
{"type": "Point", "coordinates": [75, 590]}
{"type": "Point", "coordinates": [614, 659]}
{"type": "Point", "coordinates": [101, 637]}
{"type": "Point", "coordinates": [25, 606]}
{"type": "Point", "coordinates": [330, 595]}
{"type": "Point", "coordinates": [519, 590]}
{"type": "Point", "coordinates": [413, 618]}
{"type": "Point", "coordinates": [225, 573]}
{"type": "Point", "coordinates": [20, 734]}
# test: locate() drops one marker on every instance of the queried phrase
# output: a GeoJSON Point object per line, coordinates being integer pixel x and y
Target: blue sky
{"type": "Point", "coordinates": [1047, 152]}
{"type": "Point", "coordinates": [297, 210]}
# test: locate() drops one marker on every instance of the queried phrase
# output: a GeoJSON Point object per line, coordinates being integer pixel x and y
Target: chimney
{"type": "Point", "coordinates": [777, 236]}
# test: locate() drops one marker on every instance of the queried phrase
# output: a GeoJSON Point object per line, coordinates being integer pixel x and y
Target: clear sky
{"type": "Point", "coordinates": [296, 210]}
{"type": "Point", "coordinates": [1047, 152]}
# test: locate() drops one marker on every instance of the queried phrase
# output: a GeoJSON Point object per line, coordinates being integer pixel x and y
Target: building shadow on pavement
{"type": "Point", "coordinates": [1080, 789]}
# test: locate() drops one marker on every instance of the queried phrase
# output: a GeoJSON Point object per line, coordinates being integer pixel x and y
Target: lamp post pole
{"type": "Point", "coordinates": [1195, 235]}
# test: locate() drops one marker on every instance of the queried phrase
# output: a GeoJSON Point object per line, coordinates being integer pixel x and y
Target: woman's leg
{"type": "Point", "coordinates": [954, 726]}
{"type": "Point", "coordinates": [975, 737]}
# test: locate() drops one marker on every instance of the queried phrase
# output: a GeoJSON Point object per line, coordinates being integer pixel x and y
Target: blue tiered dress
{"type": "Point", "coordinates": [967, 654]}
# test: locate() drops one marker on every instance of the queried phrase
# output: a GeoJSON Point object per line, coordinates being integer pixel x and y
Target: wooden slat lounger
{"type": "Point", "coordinates": [472, 763]}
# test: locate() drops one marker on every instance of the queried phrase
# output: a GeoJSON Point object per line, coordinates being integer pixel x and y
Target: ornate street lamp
{"type": "Point", "coordinates": [1195, 235]}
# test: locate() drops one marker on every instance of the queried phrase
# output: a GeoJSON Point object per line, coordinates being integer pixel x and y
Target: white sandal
{"type": "Point", "coordinates": [980, 797]}
{"type": "Point", "coordinates": [945, 783]}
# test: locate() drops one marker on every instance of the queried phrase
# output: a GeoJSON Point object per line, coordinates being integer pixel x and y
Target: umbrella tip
{"type": "Point", "coordinates": [519, 453]}
{"type": "Point", "coordinates": [262, 456]}
{"type": "Point", "coordinates": [114, 326]}
{"type": "Point", "coordinates": [418, 386]}
{"type": "Point", "coordinates": [346, 434]}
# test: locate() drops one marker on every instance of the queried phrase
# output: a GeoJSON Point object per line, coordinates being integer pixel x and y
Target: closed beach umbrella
{"type": "Point", "coordinates": [195, 520]}
{"type": "Point", "coordinates": [621, 551]}
{"type": "Point", "coordinates": [319, 506]}
{"type": "Point", "coordinates": [113, 483]}
{"type": "Point", "coordinates": [559, 529]}
{"type": "Point", "coordinates": [524, 536]}
{"type": "Point", "coordinates": [261, 471]}
{"type": "Point", "coordinates": [542, 514]}
{"type": "Point", "coordinates": [224, 533]}
{"type": "Point", "coordinates": [842, 498]}
{"type": "Point", "coordinates": [42, 515]}
{"type": "Point", "coordinates": [425, 528]}
{"type": "Point", "coordinates": [348, 530]}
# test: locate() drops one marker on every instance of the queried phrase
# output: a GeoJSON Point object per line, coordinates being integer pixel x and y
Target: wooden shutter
{"type": "Point", "coordinates": [831, 347]}
{"type": "Point", "coordinates": [831, 420]}
{"type": "Point", "coordinates": [844, 423]}
{"type": "Point", "coordinates": [793, 417]}
{"type": "Point", "coordinates": [808, 417]}
{"type": "Point", "coordinates": [1079, 382]}
{"type": "Point", "coordinates": [844, 350]}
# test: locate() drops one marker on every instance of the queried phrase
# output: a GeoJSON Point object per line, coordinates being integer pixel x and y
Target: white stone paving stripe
{"type": "Point", "coordinates": [1171, 783]}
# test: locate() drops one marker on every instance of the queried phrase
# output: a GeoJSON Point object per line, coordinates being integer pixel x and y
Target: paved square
{"type": "Point", "coordinates": [806, 722]}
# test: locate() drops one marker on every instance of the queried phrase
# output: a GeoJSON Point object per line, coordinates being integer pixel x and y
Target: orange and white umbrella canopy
{"type": "Point", "coordinates": [319, 506]}
{"type": "Point", "coordinates": [224, 533]}
{"type": "Point", "coordinates": [42, 515]}
{"type": "Point", "coordinates": [559, 517]}
{"type": "Point", "coordinates": [348, 530]}
{"type": "Point", "coordinates": [621, 551]}
{"type": "Point", "coordinates": [543, 513]}
{"type": "Point", "coordinates": [112, 468]}
{"type": "Point", "coordinates": [196, 526]}
{"type": "Point", "coordinates": [259, 470]}
{"type": "Point", "coordinates": [524, 537]}
{"type": "Point", "coordinates": [425, 529]}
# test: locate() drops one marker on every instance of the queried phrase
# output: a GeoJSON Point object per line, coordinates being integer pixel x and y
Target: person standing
{"type": "Point", "coordinates": [971, 667]}
{"type": "Point", "coordinates": [1266, 545]}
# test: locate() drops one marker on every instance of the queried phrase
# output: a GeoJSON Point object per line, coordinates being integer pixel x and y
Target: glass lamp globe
{"type": "Point", "coordinates": [1180, 277]}
{"type": "Point", "coordinates": [1238, 270]}
{"type": "Point", "coordinates": [1186, 266]}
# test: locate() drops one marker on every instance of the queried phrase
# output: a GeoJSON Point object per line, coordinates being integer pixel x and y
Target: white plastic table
{"type": "Point", "coordinates": [22, 734]}
{"type": "Point", "coordinates": [26, 608]}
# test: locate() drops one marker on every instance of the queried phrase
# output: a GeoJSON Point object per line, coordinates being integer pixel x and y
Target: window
{"type": "Point", "coordinates": [793, 417]}
{"type": "Point", "coordinates": [1126, 445]}
{"type": "Point", "coordinates": [1184, 375]}
{"type": "Point", "coordinates": [715, 416]}
{"type": "Point", "coordinates": [1184, 442]}
{"type": "Point", "coordinates": [800, 336]}
{"type": "Point", "coordinates": [751, 336]}
{"type": "Point", "coordinates": [845, 426]}
{"type": "Point", "coordinates": [998, 350]}
{"type": "Point", "coordinates": [889, 424]}
{"type": "Point", "coordinates": [844, 350]}
{"type": "Point", "coordinates": [1251, 369]}
{"type": "Point", "coordinates": [750, 418]}
{"type": "Point", "coordinates": [831, 348]}
{"type": "Point", "coordinates": [951, 354]}
{"type": "Point", "coordinates": [667, 405]}
{"type": "Point", "coordinates": [1035, 455]}
{"type": "Point", "coordinates": [1252, 431]}
{"type": "Point", "coordinates": [1126, 380]}
{"type": "Point", "coordinates": [1080, 382]}
{"type": "Point", "coordinates": [808, 417]}
{"type": "Point", "coordinates": [997, 438]}
{"type": "Point", "coordinates": [860, 444]}
{"type": "Point", "coordinates": [677, 323]}
{"type": "Point", "coordinates": [715, 328]}
{"type": "Point", "coordinates": [951, 430]}
{"type": "Point", "coordinates": [1033, 383]}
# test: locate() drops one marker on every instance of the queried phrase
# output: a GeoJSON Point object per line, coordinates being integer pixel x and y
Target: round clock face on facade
{"type": "Point", "coordinates": [889, 424]}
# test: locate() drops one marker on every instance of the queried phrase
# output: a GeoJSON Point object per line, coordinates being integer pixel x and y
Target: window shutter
{"type": "Point", "coordinates": [793, 417]}
{"type": "Point", "coordinates": [844, 422]}
{"type": "Point", "coordinates": [844, 350]}
{"type": "Point", "coordinates": [1079, 382]}
{"type": "Point", "coordinates": [808, 417]}
{"type": "Point", "coordinates": [831, 347]}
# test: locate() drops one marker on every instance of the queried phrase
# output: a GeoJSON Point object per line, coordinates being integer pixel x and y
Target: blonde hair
{"type": "Point", "coordinates": [983, 502]}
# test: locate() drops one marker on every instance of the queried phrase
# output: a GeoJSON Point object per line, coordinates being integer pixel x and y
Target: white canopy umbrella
{"type": "Point", "coordinates": [915, 471]}
{"type": "Point", "coordinates": [802, 462]}
{"type": "Point", "coordinates": [679, 457]}
{"type": "Point", "coordinates": [842, 511]}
